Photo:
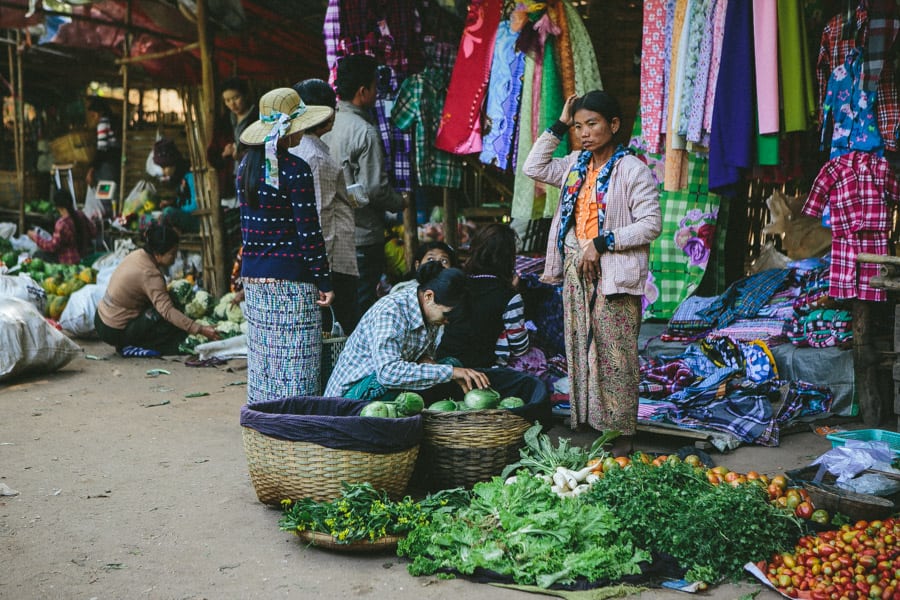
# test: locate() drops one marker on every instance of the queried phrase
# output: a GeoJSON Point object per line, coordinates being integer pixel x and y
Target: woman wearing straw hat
{"type": "Point", "coordinates": [284, 267]}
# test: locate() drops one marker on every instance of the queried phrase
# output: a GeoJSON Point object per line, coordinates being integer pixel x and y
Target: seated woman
{"type": "Point", "coordinates": [136, 314]}
{"type": "Point", "coordinates": [392, 348]}
{"type": "Point", "coordinates": [427, 252]}
{"type": "Point", "coordinates": [177, 212]}
{"type": "Point", "coordinates": [72, 234]}
{"type": "Point", "coordinates": [490, 327]}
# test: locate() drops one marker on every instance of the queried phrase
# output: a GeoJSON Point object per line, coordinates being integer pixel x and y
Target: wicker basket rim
{"type": "Point", "coordinates": [324, 540]}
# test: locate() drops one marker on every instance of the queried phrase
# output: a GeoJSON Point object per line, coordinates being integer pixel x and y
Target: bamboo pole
{"type": "Point", "coordinates": [410, 230]}
{"type": "Point", "coordinates": [124, 164]}
{"type": "Point", "coordinates": [20, 125]}
{"type": "Point", "coordinates": [17, 157]}
{"type": "Point", "coordinates": [878, 259]}
{"type": "Point", "coordinates": [450, 219]}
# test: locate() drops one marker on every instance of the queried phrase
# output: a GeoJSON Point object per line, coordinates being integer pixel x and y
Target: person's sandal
{"type": "Point", "coordinates": [138, 352]}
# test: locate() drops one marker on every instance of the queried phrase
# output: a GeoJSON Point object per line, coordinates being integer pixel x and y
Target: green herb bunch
{"type": "Point", "coordinates": [361, 513]}
{"type": "Point", "coordinates": [713, 531]}
{"type": "Point", "coordinates": [523, 530]}
{"type": "Point", "coordinates": [539, 455]}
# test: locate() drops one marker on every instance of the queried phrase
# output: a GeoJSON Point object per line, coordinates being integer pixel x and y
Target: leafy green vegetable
{"type": "Point", "coordinates": [375, 408]}
{"type": "Point", "coordinates": [672, 508]}
{"type": "Point", "coordinates": [511, 402]}
{"type": "Point", "coordinates": [363, 513]}
{"type": "Point", "coordinates": [446, 405]}
{"type": "Point", "coordinates": [409, 403]}
{"type": "Point", "coordinates": [478, 399]}
{"type": "Point", "coordinates": [524, 531]}
{"type": "Point", "coordinates": [540, 456]}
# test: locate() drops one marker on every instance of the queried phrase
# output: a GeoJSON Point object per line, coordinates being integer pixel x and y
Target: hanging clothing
{"type": "Point", "coordinates": [857, 187]}
{"type": "Point", "coordinates": [695, 26]}
{"type": "Point", "coordinates": [733, 129]}
{"type": "Point", "coordinates": [587, 71]}
{"type": "Point", "coordinates": [676, 163]}
{"type": "Point", "coordinates": [848, 111]}
{"type": "Point", "coordinates": [523, 205]}
{"type": "Point", "coordinates": [419, 103]}
{"type": "Point", "coordinates": [797, 91]}
{"type": "Point", "coordinates": [507, 69]}
{"type": "Point", "coordinates": [765, 46]}
{"type": "Point", "coordinates": [397, 144]}
{"type": "Point", "coordinates": [693, 104]}
{"type": "Point", "coordinates": [833, 52]}
{"type": "Point", "coordinates": [460, 129]}
{"type": "Point", "coordinates": [653, 72]}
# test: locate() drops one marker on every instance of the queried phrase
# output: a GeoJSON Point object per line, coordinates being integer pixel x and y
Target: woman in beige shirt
{"type": "Point", "coordinates": [136, 315]}
{"type": "Point", "coordinates": [598, 249]}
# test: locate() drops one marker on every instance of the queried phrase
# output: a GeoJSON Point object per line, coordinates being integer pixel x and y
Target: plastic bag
{"type": "Point", "coordinates": [233, 347]}
{"type": "Point", "coordinates": [29, 343]}
{"type": "Point", "coordinates": [872, 483]}
{"type": "Point", "coordinates": [153, 169]}
{"type": "Point", "coordinates": [23, 287]}
{"type": "Point", "coordinates": [855, 456]}
{"type": "Point", "coordinates": [142, 191]}
{"type": "Point", "coordinates": [93, 208]}
{"type": "Point", "coordinates": [78, 315]}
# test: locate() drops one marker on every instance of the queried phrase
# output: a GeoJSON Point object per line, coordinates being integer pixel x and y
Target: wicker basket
{"type": "Point", "coordinates": [281, 469]}
{"type": "Point", "coordinates": [459, 449]}
{"type": "Point", "coordinates": [826, 495]}
{"type": "Point", "coordinates": [331, 350]}
{"type": "Point", "coordinates": [387, 543]}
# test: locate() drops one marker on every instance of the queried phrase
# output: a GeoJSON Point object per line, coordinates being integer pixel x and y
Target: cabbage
{"type": "Point", "coordinates": [181, 291]}
{"type": "Point", "coordinates": [446, 405]}
{"type": "Point", "coordinates": [225, 310]}
{"type": "Point", "coordinates": [375, 409]}
{"type": "Point", "coordinates": [244, 325]}
{"type": "Point", "coordinates": [199, 305]}
{"type": "Point", "coordinates": [228, 329]}
{"type": "Point", "coordinates": [481, 399]}
{"type": "Point", "coordinates": [408, 404]}
{"type": "Point", "coordinates": [511, 402]}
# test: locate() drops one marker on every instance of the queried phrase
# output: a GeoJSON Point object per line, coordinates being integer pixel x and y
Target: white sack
{"type": "Point", "coordinates": [78, 315]}
{"type": "Point", "coordinates": [23, 287]}
{"type": "Point", "coordinates": [30, 344]}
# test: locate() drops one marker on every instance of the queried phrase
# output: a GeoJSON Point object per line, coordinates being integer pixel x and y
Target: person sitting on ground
{"type": "Point", "coordinates": [178, 210]}
{"type": "Point", "coordinates": [392, 348]}
{"type": "Point", "coordinates": [72, 234]}
{"type": "Point", "coordinates": [136, 314]}
{"type": "Point", "coordinates": [427, 252]}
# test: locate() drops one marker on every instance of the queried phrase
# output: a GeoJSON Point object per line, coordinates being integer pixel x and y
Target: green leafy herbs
{"type": "Point", "coordinates": [540, 455]}
{"type": "Point", "coordinates": [524, 531]}
{"type": "Point", "coordinates": [711, 530]}
{"type": "Point", "coordinates": [364, 513]}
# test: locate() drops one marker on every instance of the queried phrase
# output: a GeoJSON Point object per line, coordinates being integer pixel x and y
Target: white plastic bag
{"type": "Point", "coordinates": [7, 230]}
{"type": "Point", "coordinates": [233, 347]}
{"type": "Point", "coordinates": [854, 457]}
{"type": "Point", "coordinates": [23, 287]}
{"type": "Point", "coordinates": [78, 316]}
{"type": "Point", "coordinates": [30, 344]}
{"type": "Point", "coordinates": [93, 208]}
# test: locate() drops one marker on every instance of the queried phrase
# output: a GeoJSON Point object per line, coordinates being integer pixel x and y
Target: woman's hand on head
{"type": "Point", "coordinates": [567, 116]}
{"type": "Point", "coordinates": [469, 379]}
{"type": "Point", "coordinates": [228, 150]}
{"type": "Point", "coordinates": [325, 298]}
{"type": "Point", "coordinates": [588, 267]}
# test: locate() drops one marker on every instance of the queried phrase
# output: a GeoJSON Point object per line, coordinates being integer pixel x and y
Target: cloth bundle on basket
{"type": "Point", "coordinates": [304, 447]}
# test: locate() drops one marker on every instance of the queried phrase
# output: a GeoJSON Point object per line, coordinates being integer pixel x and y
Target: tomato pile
{"type": "Point", "coordinates": [851, 563]}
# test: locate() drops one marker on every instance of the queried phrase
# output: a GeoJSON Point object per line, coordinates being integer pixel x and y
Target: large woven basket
{"type": "Point", "coordinates": [281, 469]}
{"type": "Point", "coordinates": [387, 543]}
{"type": "Point", "coordinates": [461, 448]}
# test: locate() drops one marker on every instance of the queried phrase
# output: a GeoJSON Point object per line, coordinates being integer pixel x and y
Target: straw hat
{"type": "Point", "coordinates": [283, 106]}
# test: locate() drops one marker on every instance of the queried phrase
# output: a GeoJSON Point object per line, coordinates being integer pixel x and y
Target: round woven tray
{"type": "Point", "coordinates": [281, 469]}
{"type": "Point", "coordinates": [387, 543]}
{"type": "Point", "coordinates": [462, 448]}
{"type": "Point", "coordinates": [856, 506]}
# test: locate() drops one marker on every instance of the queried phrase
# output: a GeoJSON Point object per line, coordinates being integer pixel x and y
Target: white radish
{"type": "Point", "coordinates": [510, 480]}
{"type": "Point", "coordinates": [582, 488]}
{"type": "Point", "coordinates": [555, 489]}
{"type": "Point", "coordinates": [592, 479]}
{"type": "Point", "coordinates": [560, 480]}
{"type": "Point", "coordinates": [582, 475]}
{"type": "Point", "coordinates": [571, 480]}
{"type": "Point", "coordinates": [544, 477]}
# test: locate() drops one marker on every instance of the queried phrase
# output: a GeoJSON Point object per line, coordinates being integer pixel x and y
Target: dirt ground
{"type": "Point", "coordinates": [127, 488]}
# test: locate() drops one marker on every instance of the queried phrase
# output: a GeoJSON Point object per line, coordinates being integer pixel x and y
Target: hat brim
{"type": "Point", "coordinates": [255, 134]}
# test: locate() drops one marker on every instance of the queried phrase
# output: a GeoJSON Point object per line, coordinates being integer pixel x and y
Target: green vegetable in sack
{"type": "Point", "coordinates": [511, 402]}
{"type": "Point", "coordinates": [444, 406]}
{"type": "Point", "coordinates": [481, 399]}
{"type": "Point", "coordinates": [409, 404]}
{"type": "Point", "coordinates": [375, 409]}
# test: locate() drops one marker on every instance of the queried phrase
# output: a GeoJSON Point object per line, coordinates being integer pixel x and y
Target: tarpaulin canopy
{"type": "Point", "coordinates": [68, 42]}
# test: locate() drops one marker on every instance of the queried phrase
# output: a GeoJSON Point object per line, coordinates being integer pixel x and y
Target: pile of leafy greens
{"type": "Point", "coordinates": [711, 530]}
{"type": "Point", "coordinates": [525, 532]}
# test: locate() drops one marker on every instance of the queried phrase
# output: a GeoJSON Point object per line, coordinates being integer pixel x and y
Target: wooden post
{"type": "Point", "coordinates": [117, 205]}
{"type": "Point", "coordinates": [450, 219]}
{"type": "Point", "coordinates": [410, 230]}
{"type": "Point", "coordinates": [20, 129]}
{"type": "Point", "coordinates": [865, 365]}
{"type": "Point", "coordinates": [17, 116]}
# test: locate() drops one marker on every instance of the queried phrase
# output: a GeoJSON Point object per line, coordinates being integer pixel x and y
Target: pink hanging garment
{"type": "Point", "coordinates": [460, 128]}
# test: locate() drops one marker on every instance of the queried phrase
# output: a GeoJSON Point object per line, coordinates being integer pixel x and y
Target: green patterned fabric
{"type": "Point", "coordinates": [552, 102]}
{"type": "Point", "coordinates": [523, 190]}
{"type": "Point", "coordinates": [680, 255]}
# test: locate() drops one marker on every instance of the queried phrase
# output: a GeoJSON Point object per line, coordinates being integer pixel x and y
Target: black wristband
{"type": "Point", "coordinates": [559, 129]}
{"type": "Point", "coordinates": [600, 244]}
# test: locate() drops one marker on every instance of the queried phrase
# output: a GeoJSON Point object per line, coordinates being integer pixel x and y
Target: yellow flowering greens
{"type": "Point", "coordinates": [362, 513]}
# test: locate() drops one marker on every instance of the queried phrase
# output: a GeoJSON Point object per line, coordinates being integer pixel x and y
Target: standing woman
{"type": "Point", "coordinates": [599, 250]}
{"type": "Point", "coordinates": [284, 268]}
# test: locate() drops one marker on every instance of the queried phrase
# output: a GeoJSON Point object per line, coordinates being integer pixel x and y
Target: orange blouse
{"type": "Point", "coordinates": [586, 205]}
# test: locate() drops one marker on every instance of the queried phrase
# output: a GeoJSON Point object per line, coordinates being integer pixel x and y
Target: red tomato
{"type": "Point", "coordinates": [804, 510]}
